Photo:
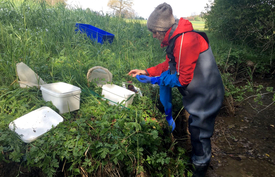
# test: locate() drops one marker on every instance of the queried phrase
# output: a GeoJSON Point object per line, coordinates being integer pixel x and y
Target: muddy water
{"type": "Point", "coordinates": [244, 144]}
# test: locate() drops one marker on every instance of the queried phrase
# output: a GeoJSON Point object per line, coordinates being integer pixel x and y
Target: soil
{"type": "Point", "coordinates": [243, 144]}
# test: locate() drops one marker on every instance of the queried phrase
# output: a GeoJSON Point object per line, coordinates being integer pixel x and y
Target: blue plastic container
{"type": "Point", "coordinates": [95, 33]}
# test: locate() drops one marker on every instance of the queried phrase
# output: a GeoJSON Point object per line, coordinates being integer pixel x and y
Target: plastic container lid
{"type": "Point", "coordinates": [60, 89]}
{"type": "Point", "coordinates": [34, 124]}
{"type": "Point", "coordinates": [99, 75]}
{"type": "Point", "coordinates": [27, 76]}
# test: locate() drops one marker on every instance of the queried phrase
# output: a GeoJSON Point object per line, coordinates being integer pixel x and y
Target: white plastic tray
{"type": "Point", "coordinates": [34, 124]}
{"type": "Point", "coordinates": [60, 89]}
{"type": "Point", "coordinates": [65, 97]}
{"type": "Point", "coordinates": [118, 94]}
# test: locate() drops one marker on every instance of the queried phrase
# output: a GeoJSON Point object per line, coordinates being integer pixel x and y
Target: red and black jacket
{"type": "Point", "coordinates": [192, 45]}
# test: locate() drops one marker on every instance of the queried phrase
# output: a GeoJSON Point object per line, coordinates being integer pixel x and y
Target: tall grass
{"type": "Point", "coordinates": [44, 38]}
{"type": "Point", "coordinates": [198, 25]}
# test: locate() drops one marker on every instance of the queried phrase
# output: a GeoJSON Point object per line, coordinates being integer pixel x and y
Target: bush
{"type": "Point", "coordinates": [245, 22]}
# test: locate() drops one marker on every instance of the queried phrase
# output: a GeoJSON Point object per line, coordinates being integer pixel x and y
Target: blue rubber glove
{"type": "Point", "coordinates": [155, 80]}
{"type": "Point", "coordinates": [147, 79]}
{"type": "Point", "coordinates": [170, 119]}
{"type": "Point", "coordinates": [143, 79]}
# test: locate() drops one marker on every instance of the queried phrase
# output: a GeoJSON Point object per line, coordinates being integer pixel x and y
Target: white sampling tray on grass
{"type": "Point", "coordinates": [34, 124]}
{"type": "Point", "coordinates": [65, 97]}
{"type": "Point", "coordinates": [117, 94]}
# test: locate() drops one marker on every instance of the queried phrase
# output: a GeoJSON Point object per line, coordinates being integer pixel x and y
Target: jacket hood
{"type": "Point", "coordinates": [182, 27]}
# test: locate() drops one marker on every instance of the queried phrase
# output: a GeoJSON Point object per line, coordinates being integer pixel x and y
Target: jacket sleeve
{"type": "Point", "coordinates": [192, 45]}
{"type": "Point", "coordinates": [158, 69]}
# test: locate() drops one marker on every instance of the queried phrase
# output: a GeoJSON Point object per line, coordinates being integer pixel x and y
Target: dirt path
{"type": "Point", "coordinates": [244, 145]}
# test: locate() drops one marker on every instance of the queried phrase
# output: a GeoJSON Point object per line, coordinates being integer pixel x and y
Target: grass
{"type": "Point", "coordinates": [198, 25]}
{"type": "Point", "coordinates": [98, 135]}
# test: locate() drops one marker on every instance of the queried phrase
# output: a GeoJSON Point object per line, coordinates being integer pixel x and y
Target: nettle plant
{"type": "Point", "coordinates": [97, 139]}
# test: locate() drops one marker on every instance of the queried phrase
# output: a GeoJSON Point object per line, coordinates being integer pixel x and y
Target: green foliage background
{"type": "Point", "coordinates": [245, 22]}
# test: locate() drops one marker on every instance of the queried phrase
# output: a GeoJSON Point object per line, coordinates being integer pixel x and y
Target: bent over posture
{"type": "Point", "coordinates": [191, 67]}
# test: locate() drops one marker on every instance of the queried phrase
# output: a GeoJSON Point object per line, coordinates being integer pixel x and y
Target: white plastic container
{"type": "Point", "coordinates": [117, 94]}
{"type": "Point", "coordinates": [65, 97]}
{"type": "Point", "coordinates": [34, 124]}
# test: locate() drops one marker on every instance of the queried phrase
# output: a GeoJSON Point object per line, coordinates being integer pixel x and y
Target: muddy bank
{"type": "Point", "coordinates": [244, 144]}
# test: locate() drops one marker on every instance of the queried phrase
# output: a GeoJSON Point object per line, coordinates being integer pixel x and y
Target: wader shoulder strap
{"type": "Point", "coordinates": [170, 47]}
{"type": "Point", "coordinates": [203, 34]}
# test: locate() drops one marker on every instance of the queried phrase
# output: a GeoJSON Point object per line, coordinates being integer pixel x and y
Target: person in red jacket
{"type": "Point", "coordinates": [191, 67]}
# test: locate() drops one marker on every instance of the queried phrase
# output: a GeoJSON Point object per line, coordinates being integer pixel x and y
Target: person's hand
{"type": "Point", "coordinates": [136, 72]}
{"type": "Point", "coordinates": [147, 79]}
{"type": "Point", "coordinates": [143, 79]}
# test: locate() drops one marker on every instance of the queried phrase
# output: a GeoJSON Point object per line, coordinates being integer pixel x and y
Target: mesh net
{"type": "Point", "coordinates": [99, 75]}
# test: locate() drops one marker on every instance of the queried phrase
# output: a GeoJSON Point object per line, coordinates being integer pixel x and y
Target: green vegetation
{"type": "Point", "coordinates": [98, 138]}
{"type": "Point", "coordinates": [244, 22]}
{"type": "Point", "coordinates": [198, 25]}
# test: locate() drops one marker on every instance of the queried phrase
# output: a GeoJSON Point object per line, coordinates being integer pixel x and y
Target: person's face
{"type": "Point", "coordinates": [159, 35]}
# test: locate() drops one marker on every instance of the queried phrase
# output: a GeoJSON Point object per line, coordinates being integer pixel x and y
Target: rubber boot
{"type": "Point", "coordinates": [200, 170]}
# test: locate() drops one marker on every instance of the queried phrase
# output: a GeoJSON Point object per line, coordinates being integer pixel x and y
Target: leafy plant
{"type": "Point", "coordinates": [98, 139]}
{"type": "Point", "coordinates": [244, 22]}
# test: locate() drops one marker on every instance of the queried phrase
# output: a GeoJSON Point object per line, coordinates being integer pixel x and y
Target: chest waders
{"type": "Point", "coordinates": [202, 99]}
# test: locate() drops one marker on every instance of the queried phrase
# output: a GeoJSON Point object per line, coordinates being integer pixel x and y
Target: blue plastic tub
{"type": "Point", "coordinates": [95, 33]}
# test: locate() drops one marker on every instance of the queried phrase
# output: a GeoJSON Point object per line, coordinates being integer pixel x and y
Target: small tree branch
{"type": "Point", "coordinates": [257, 95]}
{"type": "Point", "coordinates": [266, 107]}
